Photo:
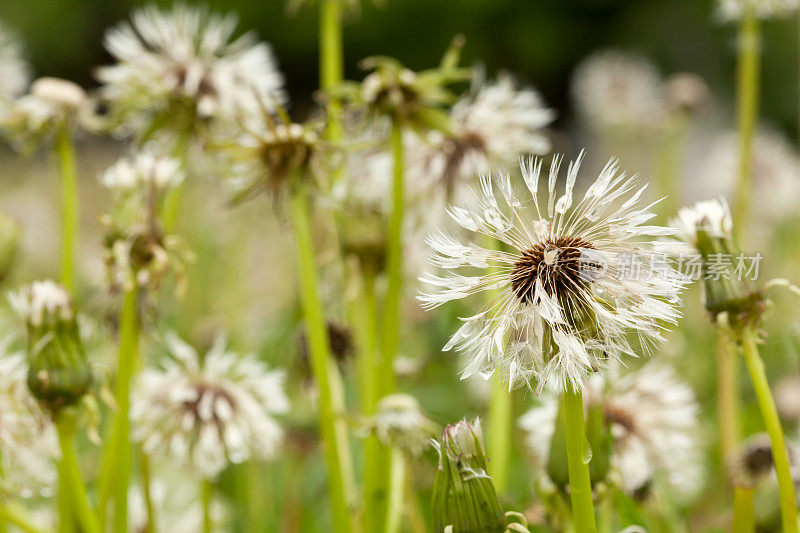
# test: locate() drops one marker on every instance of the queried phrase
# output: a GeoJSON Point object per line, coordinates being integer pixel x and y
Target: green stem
{"type": "Point", "coordinates": [769, 414]}
{"type": "Point", "coordinates": [727, 396]}
{"type": "Point", "coordinates": [144, 465]}
{"type": "Point", "coordinates": [73, 481]}
{"type": "Point", "coordinates": [172, 207]}
{"type": "Point", "coordinates": [500, 421]}
{"type": "Point", "coordinates": [206, 491]}
{"type": "Point", "coordinates": [16, 516]}
{"type": "Point", "coordinates": [69, 206]}
{"type": "Point", "coordinates": [394, 266]}
{"type": "Point", "coordinates": [331, 401]}
{"type": "Point", "coordinates": [580, 485]}
{"type": "Point", "coordinates": [668, 182]}
{"type": "Point", "coordinates": [66, 522]}
{"type": "Point", "coordinates": [115, 469]}
{"type": "Point", "coordinates": [744, 520]}
{"type": "Point", "coordinates": [748, 69]}
{"type": "Point", "coordinates": [363, 313]}
{"type": "Point", "coordinates": [397, 473]}
{"type": "Point", "coordinates": [331, 66]}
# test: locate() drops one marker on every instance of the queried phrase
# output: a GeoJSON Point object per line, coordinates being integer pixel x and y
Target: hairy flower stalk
{"type": "Point", "coordinates": [282, 158]}
{"type": "Point", "coordinates": [564, 300]}
{"type": "Point", "coordinates": [401, 425]}
{"type": "Point", "coordinates": [138, 256]}
{"type": "Point", "coordinates": [411, 100]}
{"type": "Point", "coordinates": [59, 377]}
{"type": "Point", "coordinates": [52, 111]}
{"type": "Point", "coordinates": [735, 304]}
{"type": "Point", "coordinates": [464, 497]}
{"type": "Point", "coordinates": [748, 76]}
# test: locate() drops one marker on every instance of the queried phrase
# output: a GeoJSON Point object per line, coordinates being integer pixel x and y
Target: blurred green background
{"type": "Point", "coordinates": [538, 40]}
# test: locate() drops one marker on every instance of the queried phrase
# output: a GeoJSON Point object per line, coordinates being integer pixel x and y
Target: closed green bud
{"type": "Point", "coordinates": [58, 370]}
{"type": "Point", "coordinates": [464, 497]}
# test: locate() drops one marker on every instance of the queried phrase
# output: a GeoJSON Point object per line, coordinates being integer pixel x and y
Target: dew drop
{"type": "Point", "coordinates": [587, 454]}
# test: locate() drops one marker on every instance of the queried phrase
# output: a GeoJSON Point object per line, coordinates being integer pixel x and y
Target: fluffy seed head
{"type": "Point", "coordinates": [566, 296]}
{"type": "Point", "coordinates": [210, 412]}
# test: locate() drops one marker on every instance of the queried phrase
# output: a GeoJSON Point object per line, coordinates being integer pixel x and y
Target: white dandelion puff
{"type": "Point", "coordinates": [566, 296]}
{"type": "Point", "coordinates": [185, 60]}
{"type": "Point", "coordinates": [399, 421]}
{"type": "Point", "coordinates": [652, 417]}
{"type": "Point", "coordinates": [615, 90]}
{"type": "Point", "coordinates": [142, 171]}
{"type": "Point", "coordinates": [208, 412]}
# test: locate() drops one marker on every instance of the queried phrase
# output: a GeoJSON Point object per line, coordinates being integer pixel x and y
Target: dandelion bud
{"type": "Point", "coordinates": [400, 422]}
{"type": "Point", "coordinates": [686, 93]}
{"type": "Point", "coordinates": [706, 228]}
{"type": "Point", "coordinates": [9, 240]}
{"type": "Point", "coordinates": [464, 497]}
{"type": "Point", "coordinates": [60, 92]}
{"type": "Point", "coordinates": [58, 372]}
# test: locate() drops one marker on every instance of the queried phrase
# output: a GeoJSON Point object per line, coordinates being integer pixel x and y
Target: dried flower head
{"type": "Point", "coordinates": [27, 434]}
{"type": "Point", "coordinates": [730, 10]}
{"type": "Point", "coordinates": [566, 297]}
{"type": "Point", "coordinates": [614, 90]}
{"type": "Point", "coordinates": [400, 422]}
{"type": "Point", "coordinates": [491, 126]}
{"type": "Point", "coordinates": [652, 418]}
{"type": "Point", "coordinates": [270, 153]}
{"type": "Point", "coordinates": [210, 411]}
{"type": "Point", "coordinates": [14, 70]}
{"type": "Point", "coordinates": [58, 370]}
{"type": "Point", "coordinates": [178, 69]}
{"type": "Point", "coordinates": [137, 252]}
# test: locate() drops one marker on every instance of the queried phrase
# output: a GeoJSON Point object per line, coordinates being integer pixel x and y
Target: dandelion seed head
{"type": "Point", "coordinates": [652, 416]}
{"type": "Point", "coordinates": [399, 421]}
{"type": "Point", "coordinates": [184, 65]}
{"type": "Point", "coordinates": [563, 303]}
{"type": "Point", "coordinates": [614, 90]}
{"type": "Point", "coordinates": [210, 412]}
{"type": "Point", "coordinates": [42, 302]}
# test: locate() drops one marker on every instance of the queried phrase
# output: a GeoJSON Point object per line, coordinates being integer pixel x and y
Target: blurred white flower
{"type": "Point", "coordinates": [42, 302]}
{"type": "Point", "coordinates": [491, 126]}
{"type": "Point", "coordinates": [206, 412]}
{"type": "Point", "coordinates": [144, 170]}
{"type": "Point", "coordinates": [614, 90]}
{"type": "Point", "coordinates": [52, 107]}
{"type": "Point", "coordinates": [652, 416]}
{"type": "Point", "coordinates": [565, 296]}
{"type": "Point", "coordinates": [399, 421]}
{"type": "Point", "coordinates": [14, 70]}
{"type": "Point", "coordinates": [729, 10]}
{"type": "Point", "coordinates": [712, 216]}
{"type": "Point", "coordinates": [776, 189]}
{"type": "Point", "coordinates": [177, 67]}
{"type": "Point", "coordinates": [28, 441]}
